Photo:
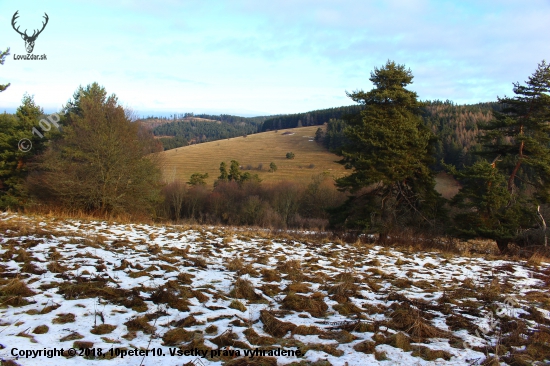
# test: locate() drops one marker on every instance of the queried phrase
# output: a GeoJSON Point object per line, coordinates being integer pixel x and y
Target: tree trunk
{"type": "Point", "coordinates": [543, 226]}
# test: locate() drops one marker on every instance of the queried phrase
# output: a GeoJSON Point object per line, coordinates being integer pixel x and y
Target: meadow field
{"type": "Point", "coordinates": [203, 295]}
{"type": "Point", "coordinates": [310, 159]}
{"type": "Point", "coordinates": [262, 148]}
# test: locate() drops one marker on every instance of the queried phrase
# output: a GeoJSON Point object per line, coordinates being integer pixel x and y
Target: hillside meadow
{"type": "Point", "coordinates": [310, 159]}
{"type": "Point", "coordinates": [262, 148]}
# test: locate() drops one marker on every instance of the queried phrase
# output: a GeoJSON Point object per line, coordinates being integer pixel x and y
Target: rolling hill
{"type": "Point", "coordinates": [262, 148]}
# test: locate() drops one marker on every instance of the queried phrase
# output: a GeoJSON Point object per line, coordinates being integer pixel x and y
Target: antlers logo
{"type": "Point", "coordinates": [29, 40]}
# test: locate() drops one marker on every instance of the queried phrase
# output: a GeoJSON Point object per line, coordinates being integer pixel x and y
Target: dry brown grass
{"type": "Point", "coordinates": [64, 318]}
{"type": "Point", "coordinates": [90, 289]}
{"type": "Point", "coordinates": [270, 290]}
{"type": "Point", "coordinates": [196, 343]}
{"type": "Point", "coordinates": [185, 278]}
{"type": "Point", "coordinates": [235, 264]}
{"type": "Point", "coordinates": [243, 289]}
{"type": "Point", "coordinates": [255, 149]}
{"type": "Point", "coordinates": [71, 337]}
{"type": "Point", "coordinates": [409, 319]}
{"type": "Point", "coordinates": [10, 363]}
{"type": "Point", "coordinates": [331, 349]}
{"type": "Point", "coordinates": [298, 287]}
{"type": "Point", "coordinates": [22, 256]}
{"type": "Point", "coordinates": [342, 291]}
{"type": "Point", "coordinates": [380, 355]}
{"type": "Point", "coordinates": [41, 329]}
{"type": "Point", "coordinates": [211, 329]}
{"type": "Point", "coordinates": [103, 329]}
{"type": "Point", "coordinates": [256, 339]}
{"type": "Point", "coordinates": [14, 292]}
{"type": "Point", "coordinates": [229, 338]}
{"type": "Point", "coordinates": [270, 275]}
{"type": "Point", "coordinates": [457, 322]}
{"type": "Point", "coordinates": [236, 304]}
{"type": "Point", "coordinates": [307, 330]}
{"type": "Point", "coordinates": [365, 347]}
{"type": "Point", "coordinates": [313, 304]}
{"type": "Point", "coordinates": [347, 308]}
{"type": "Point", "coordinates": [248, 269]}
{"type": "Point", "coordinates": [173, 295]}
{"type": "Point", "coordinates": [185, 322]}
{"type": "Point", "coordinates": [342, 336]}
{"type": "Point", "coordinates": [429, 354]}
{"type": "Point", "coordinates": [176, 336]}
{"type": "Point", "coordinates": [274, 326]}
{"type": "Point", "coordinates": [140, 323]}
{"type": "Point", "coordinates": [490, 292]}
{"type": "Point", "coordinates": [400, 340]}
{"type": "Point", "coordinates": [537, 259]}
{"type": "Point", "coordinates": [293, 269]}
{"type": "Point", "coordinates": [29, 267]}
{"type": "Point", "coordinates": [56, 267]}
{"type": "Point", "coordinates": [82, 344]}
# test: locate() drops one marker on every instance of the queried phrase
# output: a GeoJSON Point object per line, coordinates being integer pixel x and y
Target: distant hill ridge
{"type": "Point", "coordinates": [455, 125]}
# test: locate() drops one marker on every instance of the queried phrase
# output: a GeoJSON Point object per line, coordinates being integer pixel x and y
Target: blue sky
{"type": "Point", "coordinates": [258, 57]}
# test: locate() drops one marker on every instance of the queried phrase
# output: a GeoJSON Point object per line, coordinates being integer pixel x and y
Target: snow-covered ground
{"type": "Point", "coordinates": [70, 284]}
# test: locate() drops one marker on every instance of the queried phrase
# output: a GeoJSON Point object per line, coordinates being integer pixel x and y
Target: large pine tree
{"type": "Point", "coordinates": [520, 135]}
{"type": "Point", "coordinates": [390, 152]}
{"type": "Point", "coordinates": [517, 140]}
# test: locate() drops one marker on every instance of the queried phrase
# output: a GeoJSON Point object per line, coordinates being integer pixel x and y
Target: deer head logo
{"type": "Point", "coordinates": [29, 40]}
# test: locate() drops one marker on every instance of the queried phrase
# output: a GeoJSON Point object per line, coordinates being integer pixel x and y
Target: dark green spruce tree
{"type": "Point", "coordinates": [16, 135]}
{"type": "Point", "coordinates": [517, 141]}
{"type": "Point", "coordinates": [390, 152]}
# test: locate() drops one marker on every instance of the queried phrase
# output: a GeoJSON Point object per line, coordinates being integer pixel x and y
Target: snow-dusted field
{"type": "Point", "coordinates": [127, 290]}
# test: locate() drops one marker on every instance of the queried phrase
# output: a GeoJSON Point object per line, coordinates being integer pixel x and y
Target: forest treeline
{"type": "Point", "coordinates": [312, 118]}
{"type": "Point", "coordinates": [196, 131]}
{"type": "Point", "coordinates": [455, 126]}
{"type": "Point", "coordinates": [189, 128]}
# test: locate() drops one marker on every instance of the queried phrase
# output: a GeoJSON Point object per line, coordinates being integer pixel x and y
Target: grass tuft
{"type": "Point", "coordinates": [64, 318]}
{"type": "Point", "coordinates": [138, 323]}
{"type": "Point", "coordinates": [274, 326]}
{"type": "Point", "coordinates": [103, 329]}
{"type": "Point", "coordinates": [243, 289]}
{"type": "Point", "coordinates": [176, 336]}
{"type": "Point", "coordinates": [313, 304]}
{"type": "Point", "coordinates": [41, 329]}
{"type": "Point", "coordinates": [236, 304]}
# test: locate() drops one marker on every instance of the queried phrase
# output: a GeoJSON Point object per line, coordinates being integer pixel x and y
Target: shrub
{"type": "Point", "coordinates": [197, 179]}
{"type": "Point", "coordinates": [290, 155]}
